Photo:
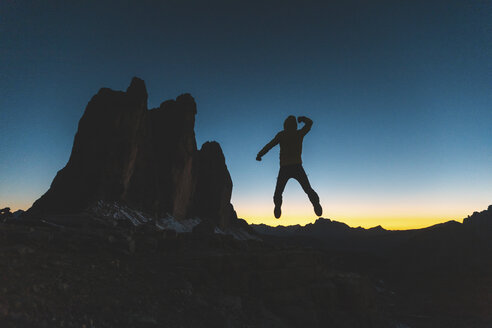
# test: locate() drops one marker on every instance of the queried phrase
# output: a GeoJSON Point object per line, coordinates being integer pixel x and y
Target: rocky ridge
{"type": "Point", "coordinates": [144, 159]}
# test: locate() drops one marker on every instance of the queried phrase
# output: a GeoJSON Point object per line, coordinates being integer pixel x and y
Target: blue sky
{"type": "Point", "coordinates": [400, 94]}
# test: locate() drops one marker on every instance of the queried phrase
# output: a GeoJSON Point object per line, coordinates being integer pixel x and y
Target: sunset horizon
{"type": "Point", "coordinates": [399, 96]}
{"type": "Point", "coordinates": [298, 210]}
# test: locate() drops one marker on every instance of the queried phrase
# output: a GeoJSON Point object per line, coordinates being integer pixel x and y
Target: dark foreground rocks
{"type": "Point", "coordinates": [440, 276]}
{"type": "Point", "coordinates": [72, 276]}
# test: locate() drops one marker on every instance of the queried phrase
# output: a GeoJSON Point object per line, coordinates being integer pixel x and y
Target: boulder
{"type": "Point", "coordinates": [5, 213]}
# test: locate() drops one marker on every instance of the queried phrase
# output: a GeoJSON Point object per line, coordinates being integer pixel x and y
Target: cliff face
{"type": "Point", "coordinates": [213, 186]}
{"type": "Point", "coordinates": [147, 159]}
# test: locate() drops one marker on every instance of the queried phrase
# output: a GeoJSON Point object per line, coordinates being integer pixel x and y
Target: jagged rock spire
{"type": "Point", "coordinates": [147, 159]}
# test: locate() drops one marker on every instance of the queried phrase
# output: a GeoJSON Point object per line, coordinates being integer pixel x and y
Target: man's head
{"type": "Point", "coordinates": [290, 123]}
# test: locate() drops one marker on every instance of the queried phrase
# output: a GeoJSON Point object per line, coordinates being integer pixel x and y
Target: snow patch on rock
{"type": "Point", "coordinates": [117, 213]}
{"type": "Point", "coordinates": [170, 223]}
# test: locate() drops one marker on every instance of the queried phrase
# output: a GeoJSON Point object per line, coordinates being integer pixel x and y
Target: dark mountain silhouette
{"type": "Point", "coordinates": [449, 239]}
{"type": "Point", "coordinates": [439, 276]}
{"type": "Point", "coordinates": [146, 159]}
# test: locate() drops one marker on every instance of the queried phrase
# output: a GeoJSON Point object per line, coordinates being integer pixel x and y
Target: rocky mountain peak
{"type": "Point", "coordinates": [146, 159]}
{"type": "Point", "coordinates": [137, 91]}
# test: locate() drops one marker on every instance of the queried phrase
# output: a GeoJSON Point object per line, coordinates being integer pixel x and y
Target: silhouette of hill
{"type": "Point", "coordinates": [474, 232]}
{"type": "Point", "coordinates": [439, 275]}
{"type": "Point", "coordinates": [441, 244]}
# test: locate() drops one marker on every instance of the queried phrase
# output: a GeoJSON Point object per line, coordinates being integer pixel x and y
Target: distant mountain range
{"type": "Point", "coordinates": [471, 238]}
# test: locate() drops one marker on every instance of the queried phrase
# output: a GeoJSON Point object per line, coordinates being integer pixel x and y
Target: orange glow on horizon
{"type": "Point", "coordinates": [395, 216]}
{"type": "Point", "coordinates": [303, 215]}
{"type": "Point", "coordinates": [15, 206]}
{"type": "Point", "coordinates": [389, 223]}
{"type": "Point", "coordinates": [391, 219]}
{"type": "Point", "coordinates": [391, 211]}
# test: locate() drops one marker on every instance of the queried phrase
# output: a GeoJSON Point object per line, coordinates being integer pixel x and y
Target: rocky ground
{"type": "Point", "coordinates": [86, 274]}
{"type": "Point", "coordinates": [114, 267]}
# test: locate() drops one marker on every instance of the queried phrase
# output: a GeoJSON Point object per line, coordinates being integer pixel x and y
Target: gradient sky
{"type": "Point", "coordinates": [400, 93]}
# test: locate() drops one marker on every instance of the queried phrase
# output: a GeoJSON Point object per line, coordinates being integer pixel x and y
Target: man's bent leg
{"type": "Point", "coordinates": [282, 179]}
{"type": "Point", "coordinates": [306, 186]}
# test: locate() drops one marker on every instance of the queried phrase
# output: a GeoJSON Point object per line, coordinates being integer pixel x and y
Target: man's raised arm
{"type": "Point", "coordinates": [308, 123]}
{"type": "Point", "coordinates": [267, 147]}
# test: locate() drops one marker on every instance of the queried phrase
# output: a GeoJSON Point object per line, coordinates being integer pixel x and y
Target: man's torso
{"type": "Point", "coordinates": [290, 147]}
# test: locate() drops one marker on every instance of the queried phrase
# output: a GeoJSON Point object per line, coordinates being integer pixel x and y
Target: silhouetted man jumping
{"type": "Point", "coordinates": [290, 140]}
